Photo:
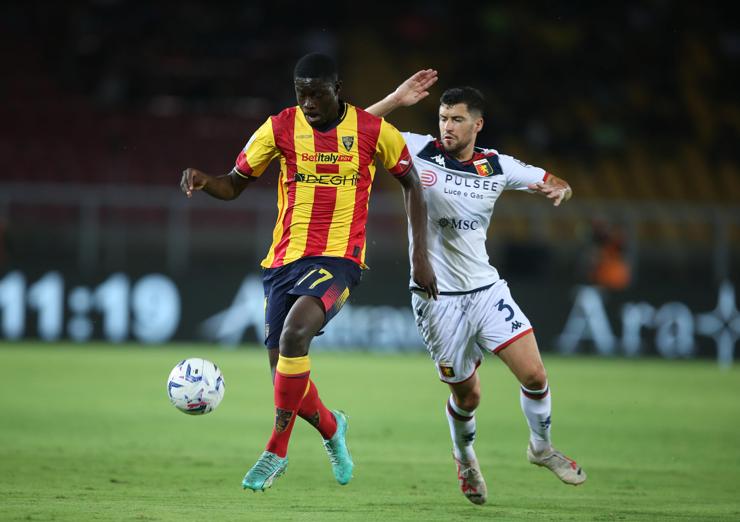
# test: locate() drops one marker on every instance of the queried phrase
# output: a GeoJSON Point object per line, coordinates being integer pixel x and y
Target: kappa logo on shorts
{"type": "Point", "coordinates": [446, 371]}
{"type": "Point", "coordinates": [515, 325]}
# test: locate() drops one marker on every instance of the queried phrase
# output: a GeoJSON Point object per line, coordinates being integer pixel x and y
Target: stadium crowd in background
{"type": "Point", "coordinates": [629, 96]}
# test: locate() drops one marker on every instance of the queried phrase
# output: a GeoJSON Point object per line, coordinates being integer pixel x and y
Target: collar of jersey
{"type": "Point", "coordinates": [477, 155]}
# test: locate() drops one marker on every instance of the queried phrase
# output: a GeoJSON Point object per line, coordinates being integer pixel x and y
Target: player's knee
{"type": "Point", "coordinates": [535, 379]}
{"type": "Point", "coordinates": [294, 341]}
{"type": "Point", "coordinates": [469, 401]}
{"type": "Point", "coordinates": [472, 401]}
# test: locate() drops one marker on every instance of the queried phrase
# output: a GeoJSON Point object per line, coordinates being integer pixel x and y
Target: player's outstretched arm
{"type": "Point", "coordinates": [226, 187]}
{"type": "Point", "coordinates": [416, 210]}
{"type": "Point", "coordinates": [408, 93]}
{"type": "Point", "coordinates": [555, 189]}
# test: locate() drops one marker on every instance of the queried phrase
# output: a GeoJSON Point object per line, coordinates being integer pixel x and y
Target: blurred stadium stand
{"type": "Point", "coordinates": [107, 101]}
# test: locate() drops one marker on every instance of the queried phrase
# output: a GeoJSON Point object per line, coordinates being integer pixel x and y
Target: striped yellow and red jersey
{"type": "Point", "coordinates": [325, 180]}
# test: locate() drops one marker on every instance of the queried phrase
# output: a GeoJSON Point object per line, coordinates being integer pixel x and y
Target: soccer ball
{"type": "Point", "coordinates": [195, 386]}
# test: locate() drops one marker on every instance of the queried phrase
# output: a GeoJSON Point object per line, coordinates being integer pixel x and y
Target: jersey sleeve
{"type": "Point", "coordinates": [259, 151]}
{"type": "Point", "coordinates": [519, 174]}
{"type": "Point", "coordinates": [392, 150]}
{"type": "Point", "coordinates": [416, 142]}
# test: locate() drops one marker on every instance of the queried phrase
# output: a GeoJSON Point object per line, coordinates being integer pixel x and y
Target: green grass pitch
{"type": "Point", "coordinates": [87, 433]}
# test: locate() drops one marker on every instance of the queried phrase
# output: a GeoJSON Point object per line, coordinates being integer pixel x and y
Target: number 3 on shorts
{"type": "Point", "coordinates": [323, 273]}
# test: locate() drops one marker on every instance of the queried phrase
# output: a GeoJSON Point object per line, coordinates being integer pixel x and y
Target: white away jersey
{"type": "Point", "coordinates": [460, 197]}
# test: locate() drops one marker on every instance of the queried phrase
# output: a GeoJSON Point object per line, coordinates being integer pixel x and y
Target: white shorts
{"type": "Point", "coordinates": [457, 329]}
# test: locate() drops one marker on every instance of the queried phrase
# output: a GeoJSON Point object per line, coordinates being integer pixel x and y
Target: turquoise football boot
{"type": "Point", "coordinates": [267, 468]}
{"type": "Point", "coordinates": [336, 448]}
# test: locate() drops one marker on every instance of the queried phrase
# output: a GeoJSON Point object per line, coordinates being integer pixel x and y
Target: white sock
{"type": "Point", "coordinates": [537, 405]}
{"type": "Point", "coordinates": [462, 430]}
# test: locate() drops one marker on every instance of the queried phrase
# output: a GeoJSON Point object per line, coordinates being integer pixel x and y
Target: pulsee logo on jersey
{"type": "Point", "coordinates": [428, 178]}
{"type": "Point", "coordinates": [482, 184]}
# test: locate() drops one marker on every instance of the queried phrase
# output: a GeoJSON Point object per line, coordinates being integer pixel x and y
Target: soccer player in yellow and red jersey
{"type": "Point", "coordinates": [327, 150]}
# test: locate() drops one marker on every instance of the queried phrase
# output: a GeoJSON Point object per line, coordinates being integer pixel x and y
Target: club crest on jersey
{"type": "Point", "coordinates": [348, 141]}
{"type": "Point", "coordinates": [483, 167]}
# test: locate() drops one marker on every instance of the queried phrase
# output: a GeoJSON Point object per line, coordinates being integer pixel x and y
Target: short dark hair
{"type": "Point", "coordinates": [470, 96]}
{"type": "Point", "coordinates": [316, 65]}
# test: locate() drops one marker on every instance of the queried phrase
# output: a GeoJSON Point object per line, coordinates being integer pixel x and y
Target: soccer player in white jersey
{"type": "Point", "coordinates": [475, 313]}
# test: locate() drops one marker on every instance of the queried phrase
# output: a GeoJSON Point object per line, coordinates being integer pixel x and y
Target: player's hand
{"type": "Point", "coordinates": [415, 88]}
{"type": "Point", "coordinates": [555, 192]}
{"type": "Point", "coordinates": [192, 180]}
{"type": "Point", "coordinates": [424, 277]}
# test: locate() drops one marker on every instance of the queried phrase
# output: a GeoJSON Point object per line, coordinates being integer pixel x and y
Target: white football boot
{"type": "Point", "coordinates": [472, 483]}
{"type": "Point", "coordinates": [566, 469]}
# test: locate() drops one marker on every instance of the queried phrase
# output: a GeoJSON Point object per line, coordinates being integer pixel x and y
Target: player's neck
{"type": "Point", "coordinates": [341, 111]}
{"type": "Point", "coordinates": [465, 154]}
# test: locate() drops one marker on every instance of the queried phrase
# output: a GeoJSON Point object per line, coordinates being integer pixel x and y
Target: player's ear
{"type": "Point", "coordinates": [479, 124]}
{"type": "Point", "coordinates": [337, 87]}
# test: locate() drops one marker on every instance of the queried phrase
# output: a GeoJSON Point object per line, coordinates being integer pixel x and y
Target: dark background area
{"type": "Point", "coordinates": [634, 103]}
{"type": "Point", "coordinates": [627, 96]}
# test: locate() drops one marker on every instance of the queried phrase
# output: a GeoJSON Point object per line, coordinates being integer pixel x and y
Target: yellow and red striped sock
{"type": "Point", "coordinates": [291, 379]}
{"type": "Point", "coordinates": [318, 415]}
